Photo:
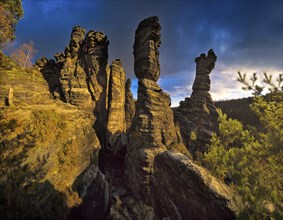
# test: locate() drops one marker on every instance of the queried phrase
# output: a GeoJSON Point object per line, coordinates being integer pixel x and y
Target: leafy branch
{"type": "Point", "coordinates": [257, 90]}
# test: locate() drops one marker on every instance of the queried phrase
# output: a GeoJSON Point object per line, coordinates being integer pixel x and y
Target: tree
{"type": "Point", "coordinates": [252, 160]}
{"type": "Point", "coordinates": [10, 13]}
{"type": "Point", "coordinates": [24, 54]}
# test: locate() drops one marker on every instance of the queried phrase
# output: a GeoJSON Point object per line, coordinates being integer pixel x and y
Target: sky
{"type": "Point", "coordinates": [246, 36]}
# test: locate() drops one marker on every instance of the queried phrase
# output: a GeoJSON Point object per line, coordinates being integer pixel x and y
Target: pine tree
{"type": "Point", "coordinates": [11, 12]}
{"type": "Point", "coordinates": [252, 160]}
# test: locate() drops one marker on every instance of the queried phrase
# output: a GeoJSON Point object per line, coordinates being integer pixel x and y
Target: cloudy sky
{"type": "Point", "coordinates": [245, 35]}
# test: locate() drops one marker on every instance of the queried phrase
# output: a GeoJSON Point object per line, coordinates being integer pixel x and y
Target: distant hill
{"type": "Point", "coordinates": [239, 109]}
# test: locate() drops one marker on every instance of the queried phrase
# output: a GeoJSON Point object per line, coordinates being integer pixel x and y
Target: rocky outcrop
{"type": "Point", "coordinates": [20, 86]}
{"type": "Point", "coordinates": [152, 129]}
{"type": "Point", "coordinates": [51, 146]}
{"type": "Point", "coordinates": [130, 106]}
{"type": "Point", "coordinates": [197, 115]}
{"type": "Point", "coordinates": [71, 75]}
{"type": "Point", "coordinates": [94, 63]}
{"type": "Point", "coordinates": [196, 195]}
{"type": "Point", "coordinates": [80, 75]}
{"type": "Point", "coordinates": [116, 123]}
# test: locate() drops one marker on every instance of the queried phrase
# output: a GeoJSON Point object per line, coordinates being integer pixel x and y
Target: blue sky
{"type": "Point", "coordinates": [245, 35]}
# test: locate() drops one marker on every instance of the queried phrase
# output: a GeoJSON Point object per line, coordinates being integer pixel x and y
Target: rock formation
{"type": "Point", "coordinates": [116, 99]}
{"type": "Point", "coordinates": [94, 63]}
{"type": "Point", "coordinates": [130, 106]}
{"type": "Point", "coordinates": [71, 74]}
{"type": "Point", "coordinates": [184, 190]}
{"type": "Point", "coordinates": [197, 116]}
{"type": "Point", "coordinates": [80, 75]}
{"type": "Point", "coordinates": [9, 98]}
{"type": "Point", "coordinates": [152, 129]}
{"type": "Point", "coordinates": [100, 155]}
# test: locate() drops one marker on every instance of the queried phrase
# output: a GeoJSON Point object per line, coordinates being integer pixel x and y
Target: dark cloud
{"type": "Point", "coordinates": [242, 33]}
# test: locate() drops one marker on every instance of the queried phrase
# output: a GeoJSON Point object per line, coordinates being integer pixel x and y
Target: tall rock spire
{"type": "Point", "coordinates": [116, 99]}
{"type": "Point", "coordinates": [152, 129]}
{"type": "Point", "coordinates": [197, 115]}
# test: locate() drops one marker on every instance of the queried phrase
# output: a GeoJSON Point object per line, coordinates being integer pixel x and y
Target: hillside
{"type": "Point", "coordinates": [239, 109]}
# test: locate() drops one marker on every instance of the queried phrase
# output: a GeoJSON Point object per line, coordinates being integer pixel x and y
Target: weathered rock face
{"type": "Point", "coordinates": [80, 74]}
{"type": "Point", "coordinates": [130, 106]}
{"type": "Point", "coordinates": [197, 116]}
{"type": "Point", "coordinates": [71, 74]}
{"type": "Point", "coordinates": [51, 144]}
{"type": "Point", "coordinates": [94, 62]}
{"type": "Point", "coordinates": [152, 129]}
{"type": "Point", "coordinates": [183, 190]}
{"type": "Point", "coordinates": [116, 123]}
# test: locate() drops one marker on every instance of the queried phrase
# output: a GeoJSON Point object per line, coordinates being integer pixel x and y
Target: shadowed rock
{"type": "Point", "coordinates": [51, 72]}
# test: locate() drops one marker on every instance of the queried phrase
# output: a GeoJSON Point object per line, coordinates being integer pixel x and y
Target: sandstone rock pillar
{"type": "Point", "coordinates": [116, 99]}
{"type": "Point", "coordinates": [152, 129]}
{"type": "Point", "coordinates": [197, 115]}
{"type": "Point", "coordinates": [70, 65]}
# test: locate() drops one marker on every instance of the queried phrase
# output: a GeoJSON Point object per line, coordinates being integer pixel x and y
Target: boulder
{"type": "Point", "coordinates": [182, 189]}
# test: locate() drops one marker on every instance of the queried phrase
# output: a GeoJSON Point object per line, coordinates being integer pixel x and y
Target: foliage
{"type": "Point", "coordinates": [24, 54]}
{"type": "Point", "coordinates": [252, 161]}
{"type": "Point", "coordinates": [10, 13]}
{"type": "Point", "coordinates": [257, 90]}
{"type": "Point", "coordinates": [45, 122]}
